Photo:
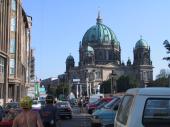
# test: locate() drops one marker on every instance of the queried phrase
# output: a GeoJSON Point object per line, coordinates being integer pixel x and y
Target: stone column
{"type": "Point", "coordinates": [87, 86]}
{"type": "Point", "coordinates": [90, 89]}
{"type": "Point", "coordinates": [5, 88]}
{"type": "Point", "coordinates": [15, 92]}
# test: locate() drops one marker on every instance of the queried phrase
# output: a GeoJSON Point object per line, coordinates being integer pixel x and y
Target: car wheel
{"type": "Point", "coordinates": [70, 117]}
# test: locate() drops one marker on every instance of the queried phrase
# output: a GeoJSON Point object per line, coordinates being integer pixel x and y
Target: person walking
{"type": "Point", "coordinates": [49, 112]}
{"type": "Point", "coordinates": [27, 118]}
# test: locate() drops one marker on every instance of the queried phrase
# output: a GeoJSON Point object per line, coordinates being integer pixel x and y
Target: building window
{"type": "Point", "coordinates": [106, 38]}
{"type": "Point", "coordinates": [13, 24]}
{"type": "Point", "coordinates": [1, 91]}
{"type": "Point", "coordinates": [98, 75]}
{"type": "Point", "coordinates": [12, 46]}
{"type": "Point", "coordinates": [12, 67]}
{"type": "Point", "coordinates": [2, 69]}
{"type": "Point", "coordinates": [13, 5]}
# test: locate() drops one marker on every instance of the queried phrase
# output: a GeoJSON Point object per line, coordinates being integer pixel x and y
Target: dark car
{"type": "Point", "coordinates": [1, 113]}
{"type": "Point", "coordinates": [64, 109]}
{"type": "Point", "coordinates": [11, 105]}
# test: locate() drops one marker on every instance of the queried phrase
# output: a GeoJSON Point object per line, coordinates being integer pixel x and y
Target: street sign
{"type": "Point", "coordinates": [36, 86]}
{"type": "Point", "coordinates": [76, 80]}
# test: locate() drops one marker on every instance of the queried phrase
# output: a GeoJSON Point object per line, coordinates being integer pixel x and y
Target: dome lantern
{"type": "Point", "coordinates": [99, 19]}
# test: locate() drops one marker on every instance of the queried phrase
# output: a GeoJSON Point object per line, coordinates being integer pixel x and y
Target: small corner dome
{"type": "Point", "coordinates": [141, 44]}
{"type": "Point", "coordinates": [70, 58]}
{"type": "Point", "coordinates": [99, 33]}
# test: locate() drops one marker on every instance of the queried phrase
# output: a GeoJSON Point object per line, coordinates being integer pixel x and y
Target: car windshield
{"type": "Point", "coordinates": [35, 102]}
{"type": "Point", "coordinates": [41, 102]}
{"type": "Point", "coordinates": [93, 100]}
{"type": "Point", "coordinates": [63, 104]}
{"type": "Point", "coordinates": [11, 105]}
{"type": "Point", "coordinates": [111, 103]}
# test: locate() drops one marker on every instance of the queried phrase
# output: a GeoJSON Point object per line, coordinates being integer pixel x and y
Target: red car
{"type": "Point", "coordinates": [98, 104]}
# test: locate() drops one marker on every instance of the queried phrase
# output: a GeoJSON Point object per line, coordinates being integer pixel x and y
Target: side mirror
{"type": "Point", "coordinates": [116, 107]}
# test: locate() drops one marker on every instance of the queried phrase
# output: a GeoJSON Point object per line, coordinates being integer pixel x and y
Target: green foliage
{"type": "Point", "coordinates": [123, 83]}
{"type": "Point", "coordinates": [105, 87]}
{"type": "Point", "coordinates": [62, 89]}
{"type": "Point", "coordinates": [126, 82]}
{"type": "Point", "coordinates": [160, 82]}
{"type": "Point", "coordinates": [167, 46]}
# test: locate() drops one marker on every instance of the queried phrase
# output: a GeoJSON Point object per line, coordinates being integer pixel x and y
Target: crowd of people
{"type": "Point", "coordinates": [45, 117]}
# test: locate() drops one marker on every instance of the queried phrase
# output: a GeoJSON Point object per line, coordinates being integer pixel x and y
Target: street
{"type": "Point", "coordinates": [78, 120]}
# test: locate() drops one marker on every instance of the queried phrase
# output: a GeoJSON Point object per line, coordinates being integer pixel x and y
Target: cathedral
{"type": "Point", "coordinates": [100, 60]}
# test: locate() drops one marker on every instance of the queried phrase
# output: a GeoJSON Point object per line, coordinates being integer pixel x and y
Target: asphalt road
{"type": "Point", "coordinates": [78, 120]}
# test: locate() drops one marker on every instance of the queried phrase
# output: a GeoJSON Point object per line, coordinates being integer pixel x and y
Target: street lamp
{"type": "Point", "coordinates": [87, 84]}
{"type": "Point", "coordinates": [94, 77]}
{"type": "Point", "coordinates": [113, 82]}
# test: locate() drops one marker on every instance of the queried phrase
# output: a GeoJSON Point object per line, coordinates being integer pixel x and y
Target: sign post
{"type": "Point", "coordinates": [77, 81]}
{"type": "Point", "coordinates": [36, 85]}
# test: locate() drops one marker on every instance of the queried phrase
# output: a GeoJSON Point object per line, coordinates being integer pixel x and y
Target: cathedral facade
{"type": "Point", "coordinates": [100, 60]}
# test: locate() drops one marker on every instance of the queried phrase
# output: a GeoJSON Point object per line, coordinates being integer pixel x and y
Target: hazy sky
{"type": "Point", "coordinates": [59, 26]}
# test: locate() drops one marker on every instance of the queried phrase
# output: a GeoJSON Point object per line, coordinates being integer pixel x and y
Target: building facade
{"type": "Point", "coordinates": [100, 57]}
{"type": "Point", "coordinates": [15, 41]}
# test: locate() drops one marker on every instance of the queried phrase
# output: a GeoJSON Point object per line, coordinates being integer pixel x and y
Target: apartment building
{"type": "Point", "coordinates": [15, 49]}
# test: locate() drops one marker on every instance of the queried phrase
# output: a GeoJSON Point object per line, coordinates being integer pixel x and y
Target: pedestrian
{"type": "Point", "coordinates": [49, 112]}
{"type": "Point", "coordinates": [80, 103]}
{"type": "Point", "coordinates": [27, 118]}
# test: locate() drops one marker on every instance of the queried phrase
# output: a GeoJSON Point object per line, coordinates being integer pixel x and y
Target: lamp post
{"type": "Point", "coordinates": [87, 86]}
{"type": "Point", "coordinates": [113, 82]}
{"type": "Point", "coordinates": [87, 83]}
{"type": "Point", "coordinates": [94, 77]}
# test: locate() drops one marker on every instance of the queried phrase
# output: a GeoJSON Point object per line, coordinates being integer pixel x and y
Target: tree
{"type": "Point", "coordinates": [167, 46]}
{"type": "Point", "coordinates": [122, 83]}
{"type": "Point", "coordinates": [125, 82]}
{"type": "Point", "coordinates": [163, 73]}
{"type": "Point", "coordinates": [105, 87]}
{"type": "Point", "coordinates": [160, 82]}
{"type": "Point", "coordinates": [62, 89]}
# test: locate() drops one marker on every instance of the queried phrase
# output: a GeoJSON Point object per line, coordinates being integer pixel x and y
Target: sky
{"type": "Point", "coordinates": [59, 26]}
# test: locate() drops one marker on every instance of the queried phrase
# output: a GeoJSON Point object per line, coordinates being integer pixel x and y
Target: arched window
{"type": "Point", "coordinates": [13, 24]}
{"type": "Point", "coordinates": [13, 5]}
{"type": "Point", "coordinates": [100, 55]}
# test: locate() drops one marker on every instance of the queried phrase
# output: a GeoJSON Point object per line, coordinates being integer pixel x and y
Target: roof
{"type": "Point", "coordinates": [141, 44]}
{"type": "Point", "coordinates": [100, 34]}
{"type": "Point", "coordinates": [153, 91]}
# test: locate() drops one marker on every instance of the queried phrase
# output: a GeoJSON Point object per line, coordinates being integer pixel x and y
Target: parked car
{"type": "Point", "coordinates": [105, 116]}
{"type": "Point", "coordinates": [98, 104]}
{"type": "Point", "coordinates": [11, 105]}
{"type": "Point", "coordinates": [1, 113]}
{"type": "Point", "coordinates": [144, 107]}
{"type": "Point", "coordinates": [64, 109]}
{"type": "Point", "coordinates": [73, 101]}
{"type": "Point", "coordinates": [38, 104]}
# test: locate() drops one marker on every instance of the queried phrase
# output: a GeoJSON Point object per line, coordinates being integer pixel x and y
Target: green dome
{"type": "Point", "coordinates": [141, 44]}
{"type": "Point", "coordinates": [100, 33]}
{"type": "Point", "coordinates": [70, 58]}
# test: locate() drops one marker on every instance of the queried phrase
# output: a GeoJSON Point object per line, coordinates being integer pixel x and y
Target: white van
{"type": "Point", "coordinates": [144, 107]}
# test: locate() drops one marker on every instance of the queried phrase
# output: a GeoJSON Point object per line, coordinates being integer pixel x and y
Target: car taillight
{"type": "Point", "coordinates": [69, 109]}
